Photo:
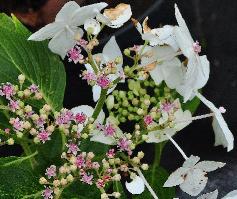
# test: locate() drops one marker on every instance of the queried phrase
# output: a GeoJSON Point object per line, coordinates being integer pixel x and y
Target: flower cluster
{"type": "Point", "coordinates": [160, 83]}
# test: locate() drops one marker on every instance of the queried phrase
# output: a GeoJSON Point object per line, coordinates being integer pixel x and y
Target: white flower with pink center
{"type": "Point", "coordinates": [72, 148]}
{"type": "Point", "coordinates": [87, 179]}
{"type": "Point", "coordinates": [7, 90]}
{"type": "Point", "coordinates": [43, 136]}
{"type": "Point", "coordinates": [75, 55]}
{"type": "Point", "coordinates": [47, 193]}
{"type": "Point", "coordinates": [51, 171]}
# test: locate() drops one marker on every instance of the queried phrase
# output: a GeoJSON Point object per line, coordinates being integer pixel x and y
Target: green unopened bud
{"type": "Point", "coordinates": [122, 94]}
{"type": "Point", "coordinates": [126, 52]}
{"type": "Point", "coordinates": [20, 94]}
{"type": "Point", "coordinates": [140, 111]}
{"type": "Point", "coordinates": [110, 102]}
{"type": "Point", "coordinates": [125, 103]}
{"type": "Point", "coordinates": [118, 60]}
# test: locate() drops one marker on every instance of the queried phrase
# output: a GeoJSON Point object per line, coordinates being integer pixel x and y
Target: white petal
{"type": "Point", "coordinates": [195, 182]}
{"type": "Point", "coordinates": [100, 137]}
{"type": "Point", "coordinates": [86, 12]}
{"type": "Point", "coordinates": [93, 24]}
{"type": "Point", "coordinates": [211, 195]}
{"type": "Point", "coordinates": [164, 118]}
{"type": "Point", "coordinates": [96, 90]}
{"type": "Point", "coordinates": [177, 177]}
{"type": "Point", "coordinates": [191, 161]}
{"type": "Point", "coordinates": [223, 135]}
{"type": "Point", "coordinates": [160, 135]}
{"type": "Point", "coordinates": [181, 22]}
{"type": "Point", "coordinates": [66, 11]}
{"type": "Point", "coordinates": [184, 42]}
{"type": "Point", "coordinates": [102, 19]}
{"type": "Point", "coordinates": [47, 32]}
{"type": "Point", "coordinates": [111, 51]}
{"type": "Point", "coordinates": [166, 36]}
{"type": "Point", "coordinates": [182, 119]}
{"type": "Point", "coordinates": [209, 166]}
{"type": "Point", "coordinates": [87, 110]}
{"type": "Point", "coordinates": [62, 42]}
{"type": "Point", "coordinates": [231, 195]}
{"type": "Point", "coordinates": [117, 20]}
{"type": "Point", "coordinates": [136, 186]}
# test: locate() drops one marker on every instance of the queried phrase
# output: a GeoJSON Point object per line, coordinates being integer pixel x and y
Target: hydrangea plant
{"type": "Point", "coordinates": [85, 152]}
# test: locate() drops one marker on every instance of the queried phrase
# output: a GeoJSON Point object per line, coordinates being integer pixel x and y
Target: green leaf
{"type": "Point", "coordinates": [191, 105]}
{"type": "Point", "coordinates": [33, 59]}
{"type": "Point", "coordinates": [50, 152]}
{"type": "Point", "coordinates": [17, 178]}
{"type": "Point", "coordinates": [157, 181]}
{"type": "Point", "coordinates": [79, 190]}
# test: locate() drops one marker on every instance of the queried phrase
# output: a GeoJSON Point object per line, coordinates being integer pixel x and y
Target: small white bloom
{"type": "Point", "coordinates": [198, 67]}
{"type": "Point", "coordinates": [136, 186]}
{"type": "Point", "coordinates": [65, 27]}
{"type": "Point", "coordinates": [211, 195]}
{"type": "Point", "coordinates": [162, 65]}
{"type": "Point", "coordinates": [191, 177]}
{"type": "Point", "coordinates": [92, 25]}
{"type": "Point", "coordinates": [116, 17]}
{"type": "Point", "coordinates": [181, 120]}
{"type": "Point", "coordinates": [223, 135]}
{"type": "Point", "coordinates": [110, 52]}
{"type": "Point", "coordinates": [231, 195]}
{"type": "Point", "coordinates": [157, 36]}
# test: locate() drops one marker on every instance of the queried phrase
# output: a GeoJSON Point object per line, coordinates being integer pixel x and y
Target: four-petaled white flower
{"type": "Point", "coordinates": [181, 120]}
{"type": "Point", "coordinates": [191, 177]}
{"type": "Point", "coordinates": [136, 186]}
{"type": "Point", "coordinates": [162, 64]}
{"type": "Point", "coordinates": [223, 135]}
{"type": "Point", "coordinates": [157, 36]}
{"type": "Point", "coordinates": [116, 17]}
{"type": "Point", "coordinates": [110, 52]}
{"type": "Point", "coordinates": [88, 111]}
{"type": "Point", "coordinates": [198, 67]}
{"type": "Point", "coordinates": [65, 28]}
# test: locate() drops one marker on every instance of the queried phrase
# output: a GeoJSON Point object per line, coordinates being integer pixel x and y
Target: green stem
{"type": "Point", "coordinates": [28, 152]}
{"type": "Point", "coordinates": [100, 103]}
{"type": "Point", "coordinates": [2, 107]}
{"type": "Point", "coordinates": [92, 63]}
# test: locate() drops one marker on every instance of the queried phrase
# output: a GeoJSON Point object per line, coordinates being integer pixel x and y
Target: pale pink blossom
{"type": "Point", "coordinates": [51, 171]}
{"type": "Point", "coordinates": [43, 136]}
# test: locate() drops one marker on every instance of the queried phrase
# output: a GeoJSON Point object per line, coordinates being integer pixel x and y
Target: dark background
{"type": "Point", "coordinates": [214, 24]}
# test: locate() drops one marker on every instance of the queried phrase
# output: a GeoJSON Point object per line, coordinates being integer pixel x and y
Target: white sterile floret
{"type": "Point", "coordinates": [116, 17]}
{"type": "Point", "coordinates": [198, 67]}
{"type": "Point", "coordinates": [136, 186]}
{"type": "Point", "coordinates": [223, 135]}
{"type": "Point", "coordinates": [63, 30]}
{"type": "Point", "coordinates": [162, 65]}
{"type": "Point", "coordinates": [211, 195]}
{"type": "Point", "coordinates": [110, 52]}
{"type": "Point", "coordinates": [191, 177]}
{"type": "Point", "coordinates": [157, 36]}
{"type": "Point", "coordinates": [92, 26]}
{"type": "Point", "coordinates": [181, 120]}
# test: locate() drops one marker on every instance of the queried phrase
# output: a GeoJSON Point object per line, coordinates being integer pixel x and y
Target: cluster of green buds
{"type": "Point", "coordinates": [134, 104]}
